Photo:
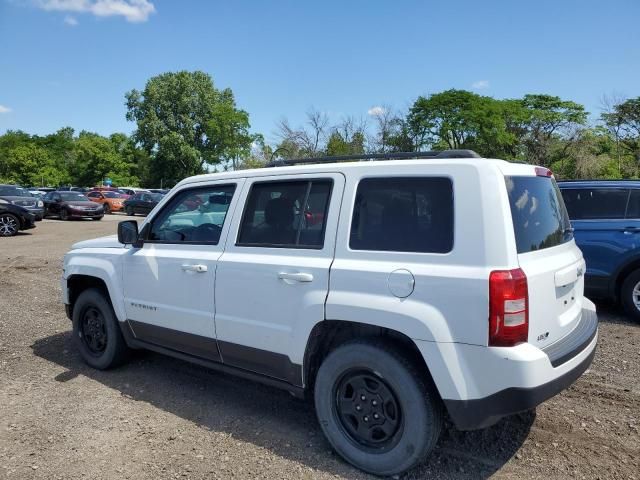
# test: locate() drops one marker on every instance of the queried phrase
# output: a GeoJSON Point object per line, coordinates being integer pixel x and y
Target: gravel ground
{"type": "Point", "coordinates": [158, 417]}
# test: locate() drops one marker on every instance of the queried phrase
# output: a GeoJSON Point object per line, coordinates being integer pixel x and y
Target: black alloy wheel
{"type": "Point", "coordinates": [93, 331]}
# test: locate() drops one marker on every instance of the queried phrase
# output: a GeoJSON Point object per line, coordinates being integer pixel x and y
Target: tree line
{"type": "Point", "coordinates": [186, 126]}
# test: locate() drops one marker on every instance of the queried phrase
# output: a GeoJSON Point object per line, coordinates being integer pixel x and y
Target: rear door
{"type": "Point", "coordinates": [549, 257]}
{"type": "Point", "coordinates": [273, 277]}
{"type": "Point", "coordinates": [601, 230]}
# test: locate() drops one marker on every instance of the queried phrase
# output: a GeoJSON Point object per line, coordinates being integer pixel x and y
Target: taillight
{"type": "Point", "coordinates": [508, 308]}
{"type": "Point", "coordinates": [543, 172]}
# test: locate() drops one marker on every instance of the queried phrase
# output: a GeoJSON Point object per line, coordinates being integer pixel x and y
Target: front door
{"type": "Point", "coordinates": [273, 277]}
{"type": "Point", "coordinates": [169, 282]}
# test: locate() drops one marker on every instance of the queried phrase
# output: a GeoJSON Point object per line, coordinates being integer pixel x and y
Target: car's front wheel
{"type": "Point", "coordinates": [129, 211]}
{"type": "Point", "coordinates": [107, 208]}
{"type": "Point", "coordinates": [377, 409]}
{"type": "Point", "coordinates": [9, 225]}
{"type": "Point", "coordinates": [64, 214]}
{"type": "Point", "coordinates": [630, 295]}
{"type": "Point", "coordinates": [96, 331]}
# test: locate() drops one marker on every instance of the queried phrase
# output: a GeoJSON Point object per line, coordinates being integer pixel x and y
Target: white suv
{"type": "Point", "coordinates": [391, 291]}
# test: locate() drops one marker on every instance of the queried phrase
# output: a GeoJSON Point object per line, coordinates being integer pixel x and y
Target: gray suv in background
{"type": "Point", "coordinates": [22, 198]}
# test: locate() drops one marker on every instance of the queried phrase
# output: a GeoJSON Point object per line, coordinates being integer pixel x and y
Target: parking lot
{"type": "Point", "coordinates": [158, 417]}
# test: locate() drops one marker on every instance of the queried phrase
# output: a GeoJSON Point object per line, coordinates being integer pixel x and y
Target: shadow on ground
{"type": "Point", "coordinates": [611, 312]}
{"type": "Point", "coordinates": [272, 419]}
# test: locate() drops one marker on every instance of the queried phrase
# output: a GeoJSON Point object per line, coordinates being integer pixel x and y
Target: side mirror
{"type": "Point", "coordinates": [128, 233]}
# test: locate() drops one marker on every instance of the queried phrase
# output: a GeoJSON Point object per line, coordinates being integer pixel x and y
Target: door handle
{"type": "Point", "coordinates": [296, 277]}
{"type": "Point", "coordinates": [630, 230]}
{"type": "Point", "coordinates": [194, 268]}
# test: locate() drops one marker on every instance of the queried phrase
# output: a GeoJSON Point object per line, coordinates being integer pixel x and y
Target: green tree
{"type": "Point", "coordinates": [458, 119]}
{"type": "Point", "coordinates": [96, 158]}
{"type": "Point", "coordinates": [185, 124]}
{"type": "Point", "coordinates": [546, 117]}
{"type": "Point", "coordinates": [624, 122]}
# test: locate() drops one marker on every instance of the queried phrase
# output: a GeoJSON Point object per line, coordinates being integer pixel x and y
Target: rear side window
{"type": "Point", "coordinates": [403, 214]}
{"type": "Point", "coordinates": [595, 203]}
{"type": "Point", "coordinates": [633, 209]}
{"type": "Point", "coordinates": [539, 216]}
{"type": "Point", "coordinates": [286, 214]}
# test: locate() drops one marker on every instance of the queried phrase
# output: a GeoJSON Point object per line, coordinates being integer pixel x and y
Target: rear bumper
{"type": "Point", "coordinates": [480, 385]}
{"type": "Point", "coordinates": [484, 412]}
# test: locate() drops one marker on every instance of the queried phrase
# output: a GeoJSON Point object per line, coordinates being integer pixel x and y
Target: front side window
{"type": "Point", "coordinates": [193, 216]}
{"type": "Point", "coordinates": [403, 214]}
{"type": "Point", "coordinates": [286, 214]}
{"type": "Point", "coordinates": [595, 203]}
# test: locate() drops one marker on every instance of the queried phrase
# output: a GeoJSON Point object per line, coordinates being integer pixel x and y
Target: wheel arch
{"type": "Point", "coordinates": [327, 335]}
{"type": "Point", "coordinates": [101, 276]}
{"type": "Point", "coordinates": [623, 272]}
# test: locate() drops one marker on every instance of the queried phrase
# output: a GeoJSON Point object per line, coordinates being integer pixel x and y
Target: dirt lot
{"type": "Point", "coordinates": [163, 418]}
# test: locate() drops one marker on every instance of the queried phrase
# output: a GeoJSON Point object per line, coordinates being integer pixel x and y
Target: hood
{"type": "Point", "coordinates": [80, 203]}
{"type": "Point", "coordinates": [110, 241]}
{"type": "Point", "coordinates": [20, 200]}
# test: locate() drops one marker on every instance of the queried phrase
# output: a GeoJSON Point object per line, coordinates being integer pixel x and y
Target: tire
{"type": "Point", "coordinates": [129, 211]}
{"type": "Point", "coordinates": [96, 331]}
{"type": "Point", "coordinates": [64, 214]}
{"type": "Point", "coordinates": [9, 225]}
{"type": "Point", "coordinates": [626, 294]}
{"type": "Point", "coordinates": [98, 218]}
{"type": "Point", "coordinates": [412, 410]}
{"type": "Point", "coordinates": [107, 208]}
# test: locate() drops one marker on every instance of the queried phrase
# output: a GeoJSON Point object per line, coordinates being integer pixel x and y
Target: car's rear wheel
{"type": "Point", "coordinates": [96, 331]}
{"type": "Point", "coordinates": [630, 295]}
{"type": "Point", "coordinates": [64, 214]}
{"type": "Point", "coordinates": [377, 409]}
{"type": "Point", "coordinates": [9, 225]}
{"type": "Point", "coordinates": [107, 208]}
{"type": "Point", "coordinates": [98, 218]}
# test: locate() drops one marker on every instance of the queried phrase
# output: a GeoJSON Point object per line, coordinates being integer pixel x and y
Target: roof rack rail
{"type": "Point", "coordinates": [375, 156]}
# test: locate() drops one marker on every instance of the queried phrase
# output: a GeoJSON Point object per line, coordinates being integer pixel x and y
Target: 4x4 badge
{"type": "Point", "coordinates": [544, 336]}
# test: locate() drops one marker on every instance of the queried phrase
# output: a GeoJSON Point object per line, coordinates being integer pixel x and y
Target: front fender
{"type": "Point", "coordinates": [102, 266]}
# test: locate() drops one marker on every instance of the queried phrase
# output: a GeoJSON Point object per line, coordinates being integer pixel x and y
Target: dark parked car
{"type": "Point", "coordinates": [14, 219]}
{"type": "Point", "coordinates": [67, 205]}
{"type": "Point", "coordinates": [605, 216]}
{"type": "Point", "coordinates": [142, 203]}
{"type": "Point", "coordinates": [22, 198]}
{"type": "Point", "coordinates": [163, 191]}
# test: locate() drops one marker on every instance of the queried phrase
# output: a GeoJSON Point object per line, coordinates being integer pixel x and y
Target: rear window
{"type": "Point", "coordinates": [595, 203]}
{"type": "Point", "coordinates": [539, 216]}
{"type": "Point", "coordinates": [403, 214]}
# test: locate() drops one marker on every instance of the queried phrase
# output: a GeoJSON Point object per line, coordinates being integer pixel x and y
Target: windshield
{"type": "Point", "coordinates": [112, 195]}
{"type": "Point", "coordinates": [155, 197]}
{"type": "Point", "coordinates": [73, 197]}
{"type": "Point", "coordinates": [540, 219]}
{"type": "Point", "coordinates": [10, 191]}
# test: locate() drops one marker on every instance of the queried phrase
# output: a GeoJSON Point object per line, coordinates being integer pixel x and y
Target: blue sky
{"type": "Point", "coordinates": [69, 62]}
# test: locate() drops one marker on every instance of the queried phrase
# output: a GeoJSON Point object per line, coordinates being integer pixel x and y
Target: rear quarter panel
{"type": "Point", "coordinates": [449, 302]}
